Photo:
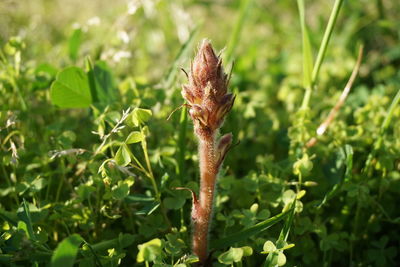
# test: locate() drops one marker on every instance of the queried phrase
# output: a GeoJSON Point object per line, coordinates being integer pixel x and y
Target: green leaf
{"type": "Point", "coordinates": [246, 233]}
{"type": "Point", "coordinates": [66, 251]}
{"type": "Point", "coordinates": [247, 251]}
{"type": "Point", "coordinates": [122, 156]}
{"type": "Point", "coordinates": [269, 247]}
{"type": "Point", "coordinates": [174, 244]}
{"type": "Point", "coordinates": [149, 251]}
{"type": "Point", "coordinates": [74, 44]}
{"type": "Point", "coordinates": [288, 196]}
{"type": "Point", "coordinates": [191, 259]}
{"type": "Point", "coordinates": [346, 156]}
{"type": "Point", "coordinates": [91, 79]}
{"type": "Point", "coordinates": [281, 259]}
{"type": "Point", "coordinates": [274, 257]}
{"type": "Point", "coordinates": [38, 184]}
{"type": "Point", "coordinates": [22, 226]}
{"type": "Point", "coordinates": [174, 202]}
{"type": "Point", "coordinates": [140, 116]}
{"type": "Point", "coordinates": [10, 217]}
{"type": "Point", "coordinates": [134, 137]}
{"type": "Point", "coordinates": [231, 256]}
{"type": "Point", "coordinates": [71, 89]}
{"type": "Point", "coordinates": [25, 216]}
{"type": "Point", "coordinates": [120, 191]}
{"type": "Point", "coordinates": [104, 81]}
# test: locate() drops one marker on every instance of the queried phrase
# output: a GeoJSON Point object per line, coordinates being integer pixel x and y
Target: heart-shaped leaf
{"type": "Point", "coordinates": [71, 89]}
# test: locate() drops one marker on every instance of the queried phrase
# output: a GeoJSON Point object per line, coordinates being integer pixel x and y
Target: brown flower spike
{"type": "Point", "coordinates": [209, 102]}
{"type": "Point", "coordinates": [206, 92]}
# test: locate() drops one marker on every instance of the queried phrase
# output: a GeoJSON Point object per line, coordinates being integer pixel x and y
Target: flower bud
{"type": "Point", "coordinates": [310, 183]}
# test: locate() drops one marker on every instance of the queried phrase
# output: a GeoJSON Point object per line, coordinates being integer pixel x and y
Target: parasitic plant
{"type": "Point", "coordinates": [208, 101]}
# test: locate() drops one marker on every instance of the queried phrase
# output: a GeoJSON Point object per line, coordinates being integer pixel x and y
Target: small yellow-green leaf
{"type": "Point", "coordinates": [191, 259]}
{"type": "Point", "coordinates": [281, 259]}
{"type": "Point", "coordinates": [288, 246]}
{"type": "Point", "coordinates": [231, 256]}
{"type": "Point", "coordinates": [149, 251]}
{"type": "Point", "coordinates": [254, 208]}
{"type": "Point", "coordinates": [301, 194]}
{"type": "Point", "coordinates": [140, 116]}
{"type": "Point", "coordinates": [134, 137]}
{"type": "Point", "coordinates": [247, 251]}
{"type": "Point", "coordinates": [269, 247]}
{"type": "Point", "coordinates": [122, 156]}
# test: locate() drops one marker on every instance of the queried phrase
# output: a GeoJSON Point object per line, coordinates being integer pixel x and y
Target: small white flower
{"type": "Point", "coordinates": [123, 36]}
{"type": "Point", "coordinates": [133, 6]}
{"type": "Point", "coordinates": [76, 25]}
{"type": "Point", "coordinates": [94, 21]}
{"type": "Point", "coordinates": [121, 55]}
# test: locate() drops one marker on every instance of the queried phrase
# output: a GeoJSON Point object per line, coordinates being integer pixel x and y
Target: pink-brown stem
{"type": "Point", "coordinates": [203, 209]}
{"type": "Point", "coordinates": [209, 102]}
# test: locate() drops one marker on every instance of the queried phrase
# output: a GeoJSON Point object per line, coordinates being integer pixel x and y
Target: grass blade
{"type": "Point", "coordinates": [389, 115]}
{"type": "Point", "coordinates": [25, 216]}
{"type": "Point", "coordinates": [307, 54]}
{"type": "Point", "coordinates": [283, 235]}
{"type": "Point", "coordinates": [325, 39]}
{"type": "Point", "coordinates": [235, 37]}
{"type": "Point", "coordinates": [288, 223]}
{"type": "Point", "coordinates": [322, 48]}
{"type": "Point", "coordinates": [172, 72]}
{"type": "Point", "coordinates": [348, 152]}
{"type": "Point", "coordinates": [246, 233]}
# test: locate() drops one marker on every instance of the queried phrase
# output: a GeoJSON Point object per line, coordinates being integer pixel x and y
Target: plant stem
{"type": "Point", "coordinates": [63, 180]}
{"type": "Point", "coordinates": [325, 39]}
{"type": "Point", "coordinates": [203, 209]}
{"type": "Point", "coordinates": [208, 107]}
{"type": "Point", "coordinates": [322, 51]}
{"type": "Point", "coordinates": [381, 9]}
{"type": "Point", "coordinates": [154, 183]}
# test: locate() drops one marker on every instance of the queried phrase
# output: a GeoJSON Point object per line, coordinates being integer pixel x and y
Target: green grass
{"type": "Point", "coordinates": [89, 162]}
